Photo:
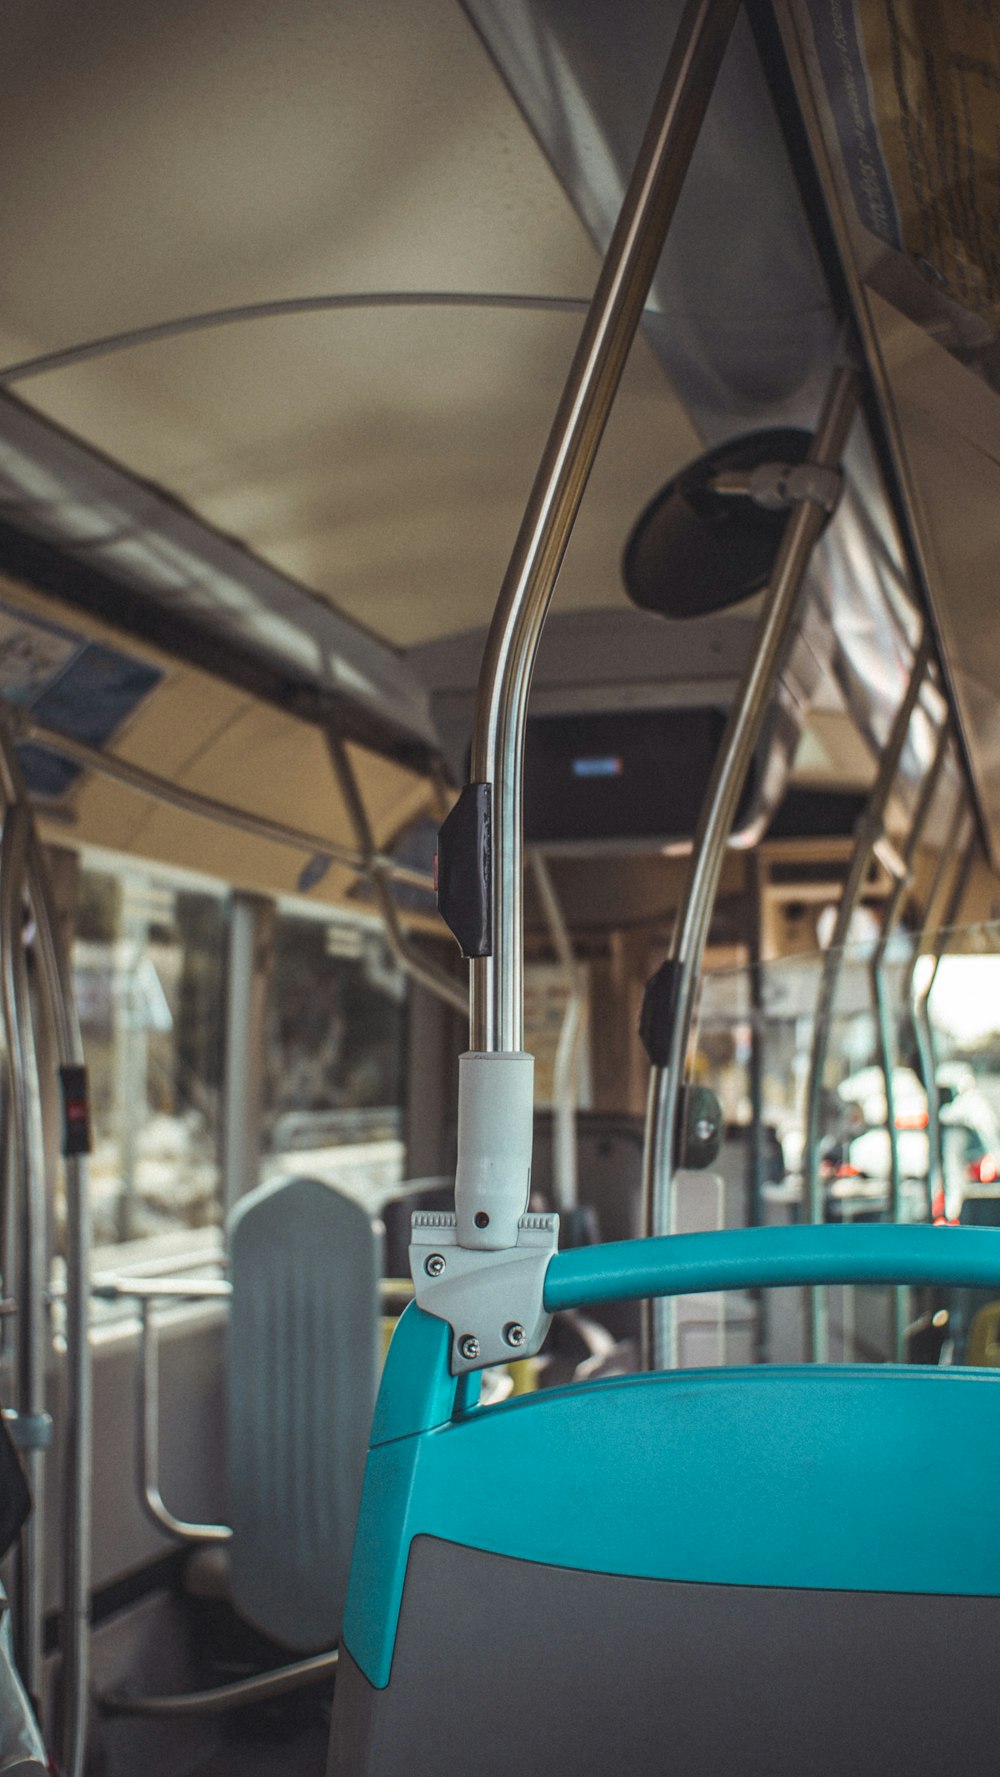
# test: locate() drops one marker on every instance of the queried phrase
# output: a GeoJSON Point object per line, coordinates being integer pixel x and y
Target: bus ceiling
{"type": "Point", "coordinates": [77, 526]}
{"type": "Point", "coordinates": [745, 318]}
{"type": "Point", "coordinates": [374, 462]}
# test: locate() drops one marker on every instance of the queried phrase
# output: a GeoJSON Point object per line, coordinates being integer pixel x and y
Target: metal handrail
{"type": "Point", "coordinates": [28, 1173]}
{"type": "Point", "coordinates": [565, 1067]}
{"type": "Point", "coordinates": [497, 1004]}
{"type": "Point", "coordinates": [743, 729]}
{"type": "Point", "coordinates": [922, 1025]}
{"type": "Point", "coordinates": [77, 1481]}
{"type": "Point", "coordinates": [227, 1697]}
{"type": "Point", "coordinates": [147, 1292]}
{"type": "Point", "coordinates": [883, 1016]}
{"type": "Point", "coordinates": [57, 986]}
{"type": "Point", "coordinates": [868, 831]}
{"type": "Point", "coordinates": [149, 1440]}
{"type": "Point", "coordinates": [772, 1258]}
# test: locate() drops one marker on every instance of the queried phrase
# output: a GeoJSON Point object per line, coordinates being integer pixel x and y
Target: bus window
{"type": "Point", "coordinates": [148, 967]}
{"type": "Point", "coordinates": [335, 1056]}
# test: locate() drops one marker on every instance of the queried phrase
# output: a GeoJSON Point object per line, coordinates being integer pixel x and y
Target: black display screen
{"type": "Point", "coordinates": [641, 774]}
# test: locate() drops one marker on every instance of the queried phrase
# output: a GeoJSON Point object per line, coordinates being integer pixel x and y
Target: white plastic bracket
{"type": "Point", "coordinates": [493, 1301]}
{"type": "Point", "coordinates": [777, 486]}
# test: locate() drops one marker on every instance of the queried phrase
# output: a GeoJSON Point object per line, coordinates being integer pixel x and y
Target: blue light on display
{"type": "Point", "coordinates": [608, 766]}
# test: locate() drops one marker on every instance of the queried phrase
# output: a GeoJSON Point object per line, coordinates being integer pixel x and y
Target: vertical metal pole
{"type": "Point", "coordinates": [32, 1282]}
{"type": "Point", "coordinates": [952, 844]}
{"type": "Point", "coordinates": [868, 833]}
{"type": "Point", "coordinates": [248, 976]}
{"type": "Point", "coordinates": [76, 1514]}
{"type": "Point", "coordinates": [565, 1081]}
{"type": "Point", "coordinates": [924, 1029]}
{"type": "Point", "coordinates": [736, 750]}
{"type": "Point", "coordinates": [755, 1206]}
{"type": "Point", "coordinates": [884, 1022]}
{"type": "Point", "coordinates": [497, 1009]}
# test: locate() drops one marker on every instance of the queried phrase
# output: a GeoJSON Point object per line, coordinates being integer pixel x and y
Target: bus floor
{"type": "Point", "coordinates": [248, 1754]}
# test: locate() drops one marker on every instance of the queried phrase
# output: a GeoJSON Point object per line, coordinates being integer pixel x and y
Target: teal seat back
{"type": "Point", "coordinates": [756, 1570]}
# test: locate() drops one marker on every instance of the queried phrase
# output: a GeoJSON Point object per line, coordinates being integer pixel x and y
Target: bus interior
{"type": "Point", "coordinates": [338, 342]}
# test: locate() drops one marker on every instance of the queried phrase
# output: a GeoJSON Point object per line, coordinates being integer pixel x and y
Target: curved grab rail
{"type": "Point", "coordinates": [757, 1258]}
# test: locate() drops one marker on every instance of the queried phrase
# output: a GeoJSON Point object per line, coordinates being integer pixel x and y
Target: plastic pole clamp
{"type": "Point", "coordinates": [493, 1301]}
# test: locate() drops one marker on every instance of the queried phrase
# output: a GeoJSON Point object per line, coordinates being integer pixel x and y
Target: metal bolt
{"type": "Point", "coordinates": [514, 1333]}
{"type": "Point", "coordinates": [704, 1129]}
{"type": "Point", "coordinates": [434, 1264]}
{"type": "Point", "coordinates": [468, 1346]}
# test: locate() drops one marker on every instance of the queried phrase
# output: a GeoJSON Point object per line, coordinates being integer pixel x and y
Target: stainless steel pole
{"type": "Point", "coordinates": [883, 1015]}
{"type": "Point", "coordinates": [924, 1029]}
{"type": "Point", "coordinates": [735, 752]}
{"type": "Point", "coordinates": [565, 1069]}
{"type": "Point", "coordinates": [869, 831]}
{"type": "Point", "coordinates": [76, 1511]}
{"type": "Point", "coordinates": [148, 1453]}
{"type": "Point", "coordinates": [29, 1176]}
{"type": "Point", "coordinates": [953, 843]}
{"type": "Point", "coordinates": [497, 1013]}
{"type": "Point", "coordinates": [75, 1517]}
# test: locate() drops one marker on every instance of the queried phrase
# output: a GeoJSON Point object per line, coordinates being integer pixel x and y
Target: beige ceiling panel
{"type": "Point", "coordinates": [206, 737]}
{"type": "Point", "coordinates": [263, 761]}
{"type": "Point", "coordinates": [831, 752]}
{"type": "Point", "coordinates": [381, 458]}
{"type": "Point", "coordinates": [201, 153]}
{"type": "Point", "coordinates": [392, 795]}
{"type": "Point", "coordinates": [122, 821]}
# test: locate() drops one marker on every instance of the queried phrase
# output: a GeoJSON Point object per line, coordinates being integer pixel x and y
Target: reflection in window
{"type": "Point", "coordinates": [148, 971]}
{"type": "Point", "coordinates": [335, 1055]}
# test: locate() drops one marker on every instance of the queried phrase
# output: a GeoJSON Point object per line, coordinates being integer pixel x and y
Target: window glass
{"type": "Point", "coordinates": [148, 969]}
{"type": "Point", "coordinates": [755, 1048]}
{"type": "Point", "coordinates": [335, 1056]}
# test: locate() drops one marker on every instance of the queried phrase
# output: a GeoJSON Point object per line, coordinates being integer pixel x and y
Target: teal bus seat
{"type": "Point", "coordinates": [759, 1571]}
{"type": "Point", "coordinates": [305, 1264]}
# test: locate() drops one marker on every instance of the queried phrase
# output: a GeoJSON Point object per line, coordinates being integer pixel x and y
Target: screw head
{"type": "Point", "coordinates": [434, 1264]}
{"type": "Point", "coordinates": [468, 1346]}
{"type": "Point", "coordinates": [704, 1129]}
{"type": "Point", "coordinates": [515, 1334]}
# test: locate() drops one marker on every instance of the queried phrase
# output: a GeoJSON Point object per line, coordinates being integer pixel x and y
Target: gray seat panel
{"type": "Point", "coordinates": [305, 1266]}
{"type": "Point", "coordinates": [590, 1674]}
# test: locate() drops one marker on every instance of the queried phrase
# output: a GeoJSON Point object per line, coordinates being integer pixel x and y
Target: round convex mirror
{"type": "Point", "coordinates": [695, 550]}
